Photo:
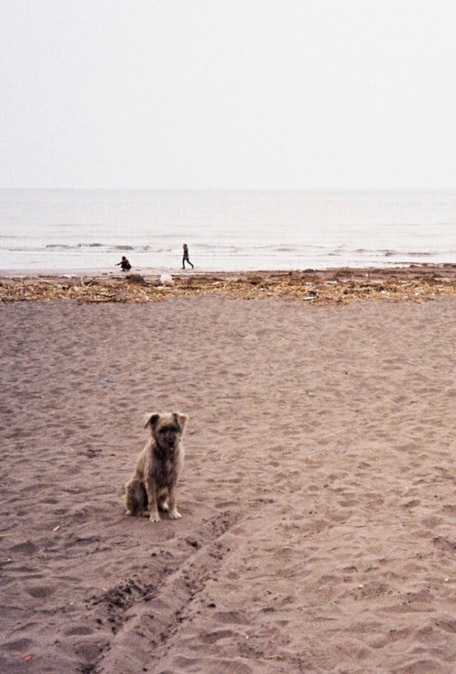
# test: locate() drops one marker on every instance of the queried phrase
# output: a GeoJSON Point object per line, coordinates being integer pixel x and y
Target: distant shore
{"type": "Point", "coordinates": [327, 286]}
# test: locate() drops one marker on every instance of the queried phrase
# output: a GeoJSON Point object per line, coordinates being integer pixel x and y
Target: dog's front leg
{"type": "Point", "coordinates": [152, 497]}
{"type": "Point", "coordinates": [172, 503]}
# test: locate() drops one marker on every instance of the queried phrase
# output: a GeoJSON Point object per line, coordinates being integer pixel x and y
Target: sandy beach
{"type": "Point", "coordinates": [318, 529]}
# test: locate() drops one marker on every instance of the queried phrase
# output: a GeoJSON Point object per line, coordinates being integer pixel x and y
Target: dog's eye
{"type": "Point", "coordinates": [168, 429]}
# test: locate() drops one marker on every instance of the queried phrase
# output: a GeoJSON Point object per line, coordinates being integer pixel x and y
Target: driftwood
{"type": "Point", "coordinates": [332, 286]}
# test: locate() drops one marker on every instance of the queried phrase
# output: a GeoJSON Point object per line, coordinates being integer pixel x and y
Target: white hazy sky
{"type": "Point", "coordinates": [228, 93]}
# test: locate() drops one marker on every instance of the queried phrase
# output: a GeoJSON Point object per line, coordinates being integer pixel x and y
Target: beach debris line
{"type": "Point", "coordinates": [136, 278]}
{"type": "Point", "coordinates": [312, 287]}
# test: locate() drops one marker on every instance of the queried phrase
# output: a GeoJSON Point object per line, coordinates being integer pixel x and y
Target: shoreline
{"type": "Point", "coordinates": [416, 282]}
{"type": "Point", "coordinates": [152, 272]}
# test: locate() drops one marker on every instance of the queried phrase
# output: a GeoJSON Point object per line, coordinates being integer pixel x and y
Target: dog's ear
{"type": "Point", "coordinates": [151, 419]}
{"type": "Point", "coordinates": [180, 419]}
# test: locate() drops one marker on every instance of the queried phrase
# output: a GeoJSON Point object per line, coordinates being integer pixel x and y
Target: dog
{"type": "Point", "coordinates": [153, 484]}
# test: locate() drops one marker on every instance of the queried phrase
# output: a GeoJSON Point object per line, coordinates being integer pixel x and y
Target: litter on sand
{"type": "Point", "coordinates": [331, 286]}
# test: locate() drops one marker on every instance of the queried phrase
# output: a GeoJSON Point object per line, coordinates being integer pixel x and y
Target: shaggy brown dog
{"type": "Point", "coordinates": [153, 484]}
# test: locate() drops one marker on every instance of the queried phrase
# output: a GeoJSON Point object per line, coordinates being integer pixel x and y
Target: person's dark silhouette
{"type": "Point", "coordinates": [186, 257]}
{"type": "Point", "coordinates": [124, 264]}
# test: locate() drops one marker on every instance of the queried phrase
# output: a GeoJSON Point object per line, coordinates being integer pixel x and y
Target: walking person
{"type": "Point", "coordinates": [186, 257]}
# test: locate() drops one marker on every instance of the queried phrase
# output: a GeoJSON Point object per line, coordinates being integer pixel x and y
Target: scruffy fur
{"type": "Point", "coordinates": [153, 484]}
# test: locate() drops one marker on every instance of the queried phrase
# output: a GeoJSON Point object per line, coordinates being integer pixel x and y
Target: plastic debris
{"type": "Point", "coordinates": [313, 287]}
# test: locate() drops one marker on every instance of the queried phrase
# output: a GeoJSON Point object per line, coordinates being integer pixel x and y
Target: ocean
{"type": "Point", "coordinates": [74, 231]}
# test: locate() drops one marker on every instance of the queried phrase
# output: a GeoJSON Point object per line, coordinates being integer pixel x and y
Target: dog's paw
{"type": "Point", "coordinates": [175, 515]}
{"type": "Point", "coordinates": [154, 517]}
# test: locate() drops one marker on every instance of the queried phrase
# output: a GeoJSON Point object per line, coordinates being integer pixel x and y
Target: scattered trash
{"type": "Point", "coordinates": [136, 278]}
{"type": "Point", "coordinates": [319, 287]}
{"type": "Point", "coordinates": [167, 280]}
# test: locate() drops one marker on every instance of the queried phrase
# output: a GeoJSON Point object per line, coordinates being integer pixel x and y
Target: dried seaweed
{"type": "Point", "coordinates": [333, 286]}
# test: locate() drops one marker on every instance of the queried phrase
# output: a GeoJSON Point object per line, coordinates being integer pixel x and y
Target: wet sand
{"type": "Point", "coordinates": [318, 495]}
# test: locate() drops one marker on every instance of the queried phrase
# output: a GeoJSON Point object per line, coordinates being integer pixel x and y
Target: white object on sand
{"type": "Point", "coordinates": [166, 280]}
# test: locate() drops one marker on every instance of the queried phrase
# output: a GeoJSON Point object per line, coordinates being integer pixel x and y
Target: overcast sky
{"type": "Point", "coordinates": [228, 93]}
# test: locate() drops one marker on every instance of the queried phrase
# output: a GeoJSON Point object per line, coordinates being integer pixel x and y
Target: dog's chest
{"type": "Point", "coordinates": [163, 469]}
